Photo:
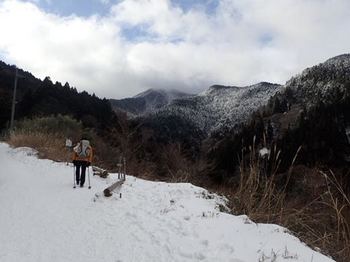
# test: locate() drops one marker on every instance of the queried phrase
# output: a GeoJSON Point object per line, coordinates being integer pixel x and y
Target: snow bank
{"type": "Point", "coordinates": [44, 219]}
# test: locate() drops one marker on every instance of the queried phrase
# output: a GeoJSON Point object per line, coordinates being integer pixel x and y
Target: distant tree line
{"type": "Point", "coordinates": [36, 98]}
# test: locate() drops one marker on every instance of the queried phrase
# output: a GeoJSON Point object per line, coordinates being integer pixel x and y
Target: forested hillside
{"type": "Point", "coordinates": [43, 98]}
{"type": "Point", "coordinates": [312, 112]}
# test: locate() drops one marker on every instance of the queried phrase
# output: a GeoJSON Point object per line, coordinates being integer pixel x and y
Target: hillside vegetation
{"type": "Point", "coordinates": [284, 159]}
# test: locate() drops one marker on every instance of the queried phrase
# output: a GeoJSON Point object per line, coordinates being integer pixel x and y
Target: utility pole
{"type": "Point", "coordinates": [14, 101]}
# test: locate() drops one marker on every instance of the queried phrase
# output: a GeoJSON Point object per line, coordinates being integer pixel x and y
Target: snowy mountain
{"type": "Point", "coordinates": [219, 106]}
{"type": "Point", "coordinates": [44, 219]}
{"type": "Point", "coordinates": [147, 101]}
{"type": "Point", "coordinates": [224, 107]}
{"type": "Point", "coordinates": [312, 111]}
{"type": "Point", "coordinates": [323, 82]}
{"type": "Point", "coordinates": [327, 83]}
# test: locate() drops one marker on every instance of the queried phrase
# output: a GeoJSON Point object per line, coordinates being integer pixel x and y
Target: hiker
{"type": "Point", "coordinates": [82, 157]}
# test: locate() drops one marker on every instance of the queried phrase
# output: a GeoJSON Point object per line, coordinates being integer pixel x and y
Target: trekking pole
{"type": "Point", "coordinates": [74, 184]}
{"type": "Point", "coordinates": [89, 177]}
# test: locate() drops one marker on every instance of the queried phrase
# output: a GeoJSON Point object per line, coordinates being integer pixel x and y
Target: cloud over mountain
{"type": "Point", "coordinates": [144, 44]}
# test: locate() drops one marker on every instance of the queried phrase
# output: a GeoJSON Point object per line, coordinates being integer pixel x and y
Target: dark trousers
{"type": "Point", "coordinates": [80, 177]}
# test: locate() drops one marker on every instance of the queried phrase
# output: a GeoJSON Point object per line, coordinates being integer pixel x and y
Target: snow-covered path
{"type": "Point", "coordinates": [43, 218]}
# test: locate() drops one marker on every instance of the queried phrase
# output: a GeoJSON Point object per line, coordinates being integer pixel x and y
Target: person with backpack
{"type": "Point", "coordinates": [82, 158]}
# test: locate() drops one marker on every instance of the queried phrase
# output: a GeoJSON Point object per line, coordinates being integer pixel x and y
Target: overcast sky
{"type": "Point", "coordinates": [118, 48]}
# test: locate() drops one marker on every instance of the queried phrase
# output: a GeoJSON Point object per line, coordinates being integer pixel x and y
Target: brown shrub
{"type": "Point", "coordinates": [49, 146]}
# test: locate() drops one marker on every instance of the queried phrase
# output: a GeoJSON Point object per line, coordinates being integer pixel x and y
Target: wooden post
{"type": "Point", "coordinates": [119, 170]}
{"type": "Point", "coordinates": [14, 101]}
{"type": "Point", "coordinates": [121, 178]}
{"type": "Point", "coordinates": [124, 173]}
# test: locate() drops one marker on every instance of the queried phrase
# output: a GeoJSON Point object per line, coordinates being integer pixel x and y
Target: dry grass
{"type": "Point", "coordinates": [47, 135]}
{"type": "Point", "coordinates": [49, 146]}
{"type": "Point", "coordinates": [336, 201]}
{"type": "Point", "coordinates": [257, 193]}
{"type": "Point", "coordinates": [321, 221]}
{"type": "Point", "coordinates": [52, 146]}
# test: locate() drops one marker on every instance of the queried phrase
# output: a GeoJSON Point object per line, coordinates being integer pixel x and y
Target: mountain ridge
{"type": "Point", "coordinates": [146, 101]}
{"type": "Point", "coordinates": [219, 105]}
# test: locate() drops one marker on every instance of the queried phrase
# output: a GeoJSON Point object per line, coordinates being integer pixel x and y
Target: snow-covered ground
{"type": "Point", "coordinates": [43, 218]}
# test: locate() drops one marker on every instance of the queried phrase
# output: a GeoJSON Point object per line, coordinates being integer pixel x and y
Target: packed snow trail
{"type": "Point", "coordinates": [44, 219]}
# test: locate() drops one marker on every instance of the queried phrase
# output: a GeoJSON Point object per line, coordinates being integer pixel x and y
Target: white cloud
{"type": "Point", "coordinates": [85, 52]}
{"type": "Point", "coordinates": [242, 42]}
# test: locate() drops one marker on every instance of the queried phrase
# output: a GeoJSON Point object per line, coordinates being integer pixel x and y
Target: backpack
{"type": "Point", "coordinates": [83, 149]}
